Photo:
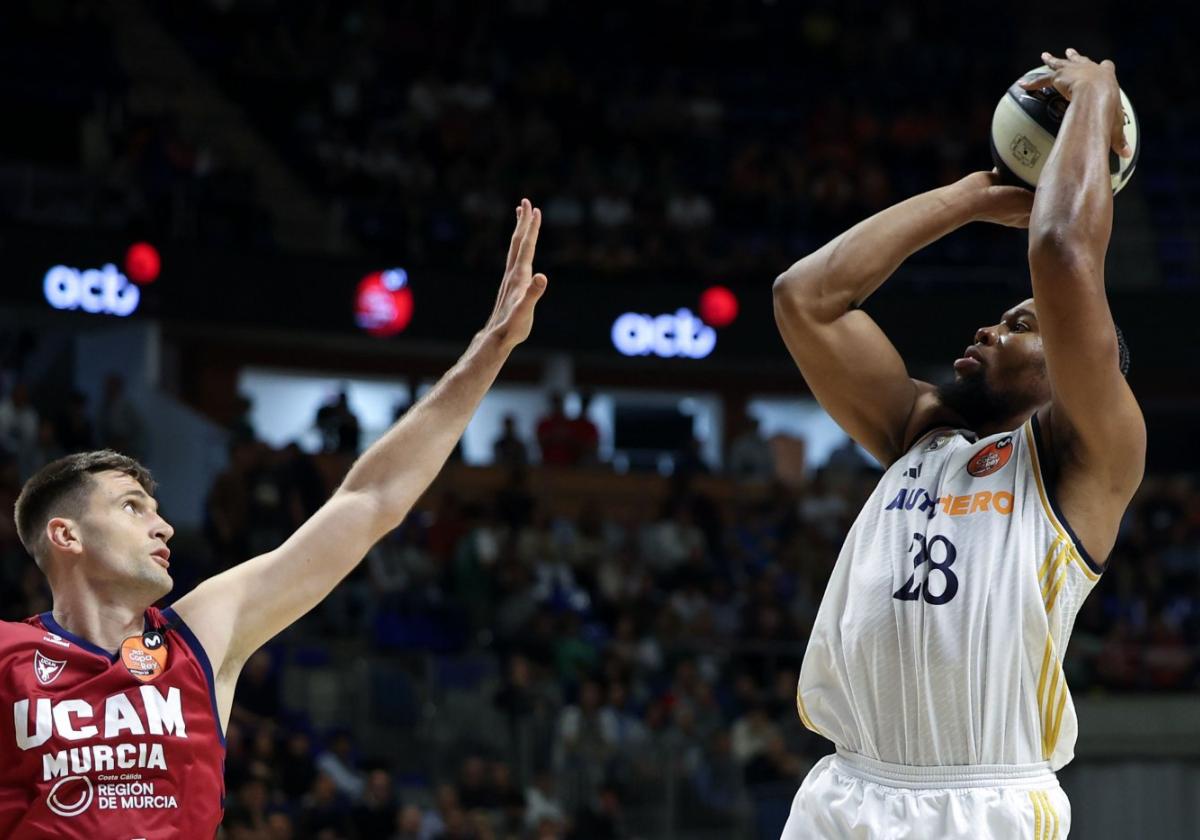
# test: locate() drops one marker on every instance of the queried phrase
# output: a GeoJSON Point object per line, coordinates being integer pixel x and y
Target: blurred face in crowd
{"type": "Point", "coordinates": [408, 823]}
{"type": "Point", "coordinates": [120, 536]}
{"type": "Point", "coordinates": [1002, 374]}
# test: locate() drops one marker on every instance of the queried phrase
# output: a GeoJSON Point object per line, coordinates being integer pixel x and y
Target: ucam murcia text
{"type": "Point", "coordinates": [156, 714]}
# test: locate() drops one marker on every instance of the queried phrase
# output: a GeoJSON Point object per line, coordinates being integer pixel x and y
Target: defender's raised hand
{"type": "Point", "coordinates": [520, 289]}
{"type": "Point", "coordinates": [1071, 75]}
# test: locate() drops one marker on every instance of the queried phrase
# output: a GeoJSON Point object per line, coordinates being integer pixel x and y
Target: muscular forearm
{"type": "Point", "coordinates": [1072, 209]}
{"type": "Point", "coordinates": [844, 272]}
{"type": "Point", "coordinates": [398, 467]}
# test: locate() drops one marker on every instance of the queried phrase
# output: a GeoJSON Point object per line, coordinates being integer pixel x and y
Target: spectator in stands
{"type": "Point", "coordinates": [585, 435]}
{"type": "Point", "coordinates": [374, 815]}
{"type": "Point", "coordinates": [19, 428]}
{"type": "Point", "coordinates": [241, 428]}
{"type": "Point", "coordinates": [297, 771]}
{"type": "Point", "coordinates": [73, 426]}
{"type": "Point", "coordinates": [48, 448]}
{"type": "Point", "coordinates": [602, 818]}
{"type": "Point", "coordinates": [544, 806]}
{"type": "Point", "coordinates": [259, 693]}
{"type": "Point", "coordinates": [587, 739]}
{"type": "Point", "coordinates": [338, 426]}
{"type": "Point", "coordinates": [556, 436]}
{"type": "Point", "coordinates": [509, 450]}
{"type": "Point", "coordinates": [339, 764]}
{"type": "Point", "coordinates": [408, 824]}
{"type": "Point", "coordinates": [121, 427]}
{"type": "Point", "coordinates": [673, 541]}
{"type": "Point", "coordinates": [325, 808]}
{"type": "Point", "coordinates": [750, 457]}
{"type": "Point", "coordinates": [474, 790]}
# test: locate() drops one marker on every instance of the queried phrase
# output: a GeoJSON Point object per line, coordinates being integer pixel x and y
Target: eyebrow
{"type": "Point", "coordinates": [1017, 313]}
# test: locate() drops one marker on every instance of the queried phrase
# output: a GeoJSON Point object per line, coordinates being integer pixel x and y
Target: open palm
{"type": "Point", "coordinates": [520, 290]}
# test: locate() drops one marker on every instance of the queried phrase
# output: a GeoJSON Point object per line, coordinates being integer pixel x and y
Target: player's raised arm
{"type": "Point", "coordinates": [847, 361]}
{"type": "Point", "coordinates": [1095, 421]}
{"type": "Point", "coordinates": [234, 613]}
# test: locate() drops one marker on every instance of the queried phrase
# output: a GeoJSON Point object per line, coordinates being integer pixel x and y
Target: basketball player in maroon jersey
{"type": "Point", "coordinates": [117, 709]}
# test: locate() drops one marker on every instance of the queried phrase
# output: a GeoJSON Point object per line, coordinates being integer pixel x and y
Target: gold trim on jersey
{"type": "Point", "coordinates": [1074, 554]}
{"type": "Point", "coordinates": [1053, 573]}
{"type": "Point", "coordinates": [1045, 818]}
{"type": "Point", "coordinates": [804, 718]}
{"type": "Point", "coordinates": [1052, 697]}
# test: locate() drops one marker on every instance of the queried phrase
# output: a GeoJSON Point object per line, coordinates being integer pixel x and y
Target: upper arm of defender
{"type": "Point", "coordinates": [852, 368]}
{"type": "Point", "coordinates": [234, 613]}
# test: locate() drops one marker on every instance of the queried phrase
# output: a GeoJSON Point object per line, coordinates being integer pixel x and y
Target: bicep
{"type": "Point", "coordinates": [236, 612]}
{"type": "Point", "coordinates": [1092, 407]}
{"type": "Point", "coordinates": [855, 373]}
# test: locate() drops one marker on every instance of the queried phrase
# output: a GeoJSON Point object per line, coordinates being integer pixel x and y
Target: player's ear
{"type": "Point", "coordinates": [63, 534]}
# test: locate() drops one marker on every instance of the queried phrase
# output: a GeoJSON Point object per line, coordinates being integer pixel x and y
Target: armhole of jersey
{"type": "Point", "coordinates": [189, 637]}
{"type": "Point", "coordinates": [1038, 457]}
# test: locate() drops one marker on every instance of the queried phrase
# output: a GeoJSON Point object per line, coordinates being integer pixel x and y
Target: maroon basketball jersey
{"type": "Point", "coordinates": [99, 746]}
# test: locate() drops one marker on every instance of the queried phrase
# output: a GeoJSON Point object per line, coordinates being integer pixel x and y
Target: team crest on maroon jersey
{"type": "Point", "coordinates": [991, 458]}
{"type": "Point", "coordinates": [46, 669]}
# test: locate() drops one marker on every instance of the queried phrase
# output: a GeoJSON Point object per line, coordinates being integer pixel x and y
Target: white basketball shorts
{"type": "Point", "coordinates": [851, 797]}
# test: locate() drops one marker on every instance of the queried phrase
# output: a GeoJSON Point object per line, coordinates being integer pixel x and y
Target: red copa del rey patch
{"type": "Point", "coordinates": [145, 656]}
{"type": "Point", "coordinates": [991, 458]}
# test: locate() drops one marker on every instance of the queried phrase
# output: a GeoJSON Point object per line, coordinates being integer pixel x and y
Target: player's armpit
{"type": "Point", "coordinates": [854, 371]}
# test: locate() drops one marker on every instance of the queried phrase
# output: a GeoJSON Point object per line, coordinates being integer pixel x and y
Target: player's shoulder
{"type": "Point", "coordinates": [24, 632]}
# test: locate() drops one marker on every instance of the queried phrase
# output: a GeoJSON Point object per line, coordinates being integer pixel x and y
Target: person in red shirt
{"type": "Point", "coordinates": [118, 709]}
{"type": "Point", "coordinates": [556, 437]}
{"type": "Point", "coordinates": [585, 436]}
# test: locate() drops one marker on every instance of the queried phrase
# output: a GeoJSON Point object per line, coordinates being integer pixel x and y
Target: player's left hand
{"type": "Point", "coordinates": [996, 202]}
{"type": "Point", "coordinates": [520, 290]}
{"type": "Point", "coordinates": [1071, 75]}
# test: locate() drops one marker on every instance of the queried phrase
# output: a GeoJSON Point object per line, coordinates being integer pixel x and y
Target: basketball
{"type": "Point", "coordinates": [1025, 124]}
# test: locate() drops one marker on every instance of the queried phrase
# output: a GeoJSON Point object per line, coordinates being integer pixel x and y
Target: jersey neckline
{"type": "Point", "coordinates": [47, 619]}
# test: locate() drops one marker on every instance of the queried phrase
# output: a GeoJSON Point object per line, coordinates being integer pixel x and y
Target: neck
{"type": "Point", "coordinates": [1006, 424]}
{"type": "Point", "coordinates": [970, 404]}
{"type": "Point", "coordinates": [103, 621]}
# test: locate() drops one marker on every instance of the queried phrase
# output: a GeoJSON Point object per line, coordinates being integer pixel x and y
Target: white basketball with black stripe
{"type": "Point", "coordinates": [1026, 122]}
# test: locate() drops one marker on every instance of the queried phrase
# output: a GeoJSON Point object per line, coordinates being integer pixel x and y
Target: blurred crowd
{"type": "Point", "coordinates": [683, 139]}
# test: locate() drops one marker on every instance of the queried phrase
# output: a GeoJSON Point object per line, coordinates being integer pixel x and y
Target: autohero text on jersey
{"type": "Point", "coordinates": [920, 499]}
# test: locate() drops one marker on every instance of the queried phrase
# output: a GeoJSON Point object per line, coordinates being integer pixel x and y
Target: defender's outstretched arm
{"type": "Point", "coordinates": [234, 613]}
{"type": "Point", "coordinates": [849, 364]}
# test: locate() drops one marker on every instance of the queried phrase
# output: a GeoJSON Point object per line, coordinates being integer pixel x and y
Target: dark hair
{"type": "Point", "coordinates": [62, 485]}
{"type": "Point", "coordinates": [1122, 352]}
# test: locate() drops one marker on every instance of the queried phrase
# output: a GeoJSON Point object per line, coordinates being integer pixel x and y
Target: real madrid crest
{"type": "Point", "coordinates": [937, 443]}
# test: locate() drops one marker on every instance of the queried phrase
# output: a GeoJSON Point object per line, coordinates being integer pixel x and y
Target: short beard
{"type": "Point", "coordinates": [974, 401]}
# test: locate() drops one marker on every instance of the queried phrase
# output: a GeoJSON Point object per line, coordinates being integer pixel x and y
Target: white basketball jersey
{"type": "Point", "coordinates": [940, 637]}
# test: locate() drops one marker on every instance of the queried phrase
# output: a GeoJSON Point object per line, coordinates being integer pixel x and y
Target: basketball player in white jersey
{"type": "Point", "coordinates": [935, 663]}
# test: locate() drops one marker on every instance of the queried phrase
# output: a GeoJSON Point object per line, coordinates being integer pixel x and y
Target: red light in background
{"type": "Point", "coordinates": [383, 305]}
{"type": "Point", "coordinates": [142, 263]}
{"type": "Point", "coordinates": [718, 306]}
